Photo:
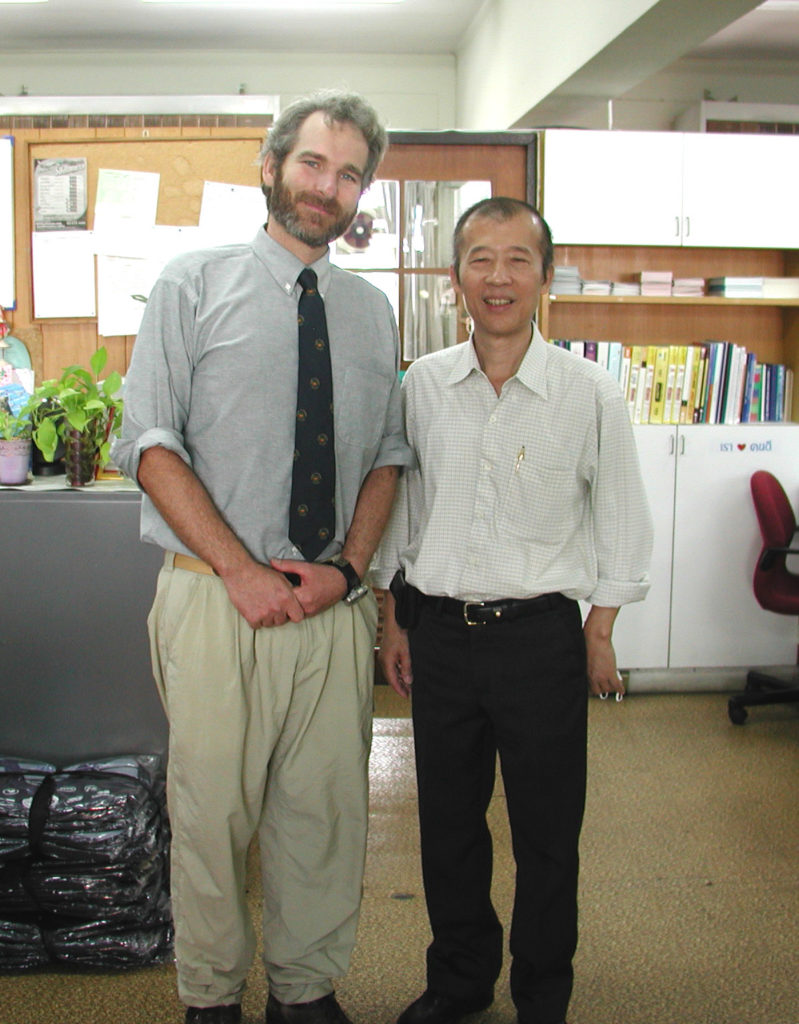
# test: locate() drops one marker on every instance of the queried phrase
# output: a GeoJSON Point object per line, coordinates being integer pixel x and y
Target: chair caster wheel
{"type": "Point", "coordinates": [738, 715]}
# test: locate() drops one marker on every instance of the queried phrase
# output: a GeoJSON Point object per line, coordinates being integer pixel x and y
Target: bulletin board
{"type": "Point", "coordinates": [7, 289]}
{"type": "Point", "coordinates": [184, 158]}
{"type": "Point", "coordinates": [183, 165]}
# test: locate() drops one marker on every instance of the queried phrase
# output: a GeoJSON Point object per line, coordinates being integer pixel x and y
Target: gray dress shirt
{"type": "Point", "coordinates": [213, 378]}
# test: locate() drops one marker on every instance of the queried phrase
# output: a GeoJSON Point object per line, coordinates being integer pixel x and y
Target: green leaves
{"type": "Point", "coordinates": [83, 402]}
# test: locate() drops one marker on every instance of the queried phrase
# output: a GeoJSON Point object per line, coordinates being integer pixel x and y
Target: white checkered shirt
{"type": "Point", "coordinates": [534, 491]}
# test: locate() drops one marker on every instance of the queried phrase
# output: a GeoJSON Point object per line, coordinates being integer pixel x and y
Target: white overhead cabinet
{"type": "Point", "coordinates": [613, 188]}
{"type": "Point", "coordinates": [671, 188]}
{"type": "Point", "coordinates": [741, 191]}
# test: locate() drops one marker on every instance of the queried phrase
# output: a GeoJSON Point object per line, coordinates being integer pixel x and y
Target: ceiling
{"type": "Point", "coordinates": [412, 26]}
{"type": "Point", "coordinates": [770, 32]}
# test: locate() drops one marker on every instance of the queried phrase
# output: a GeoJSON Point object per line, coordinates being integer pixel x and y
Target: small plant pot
{"type": "Point", "coordinates": [41, 467]}
{"type": "Point", "coordinates": [15, 458]}
{"type": "Point", "coordinates": [80, 458]}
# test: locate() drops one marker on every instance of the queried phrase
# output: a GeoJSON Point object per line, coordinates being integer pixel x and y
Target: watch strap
{"type": "Point", "coordinates": [349, 574]}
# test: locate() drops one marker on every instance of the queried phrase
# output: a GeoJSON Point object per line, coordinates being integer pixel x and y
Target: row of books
{"type": "Point", "coordinates": [710, 382]}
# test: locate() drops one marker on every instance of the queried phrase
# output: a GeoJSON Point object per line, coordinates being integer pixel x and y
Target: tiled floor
{"type": "Point", "coordinates": [690, 882]}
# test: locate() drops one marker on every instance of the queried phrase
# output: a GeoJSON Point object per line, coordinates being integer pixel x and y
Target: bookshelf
{"type": "Point", "coordinates": [767, 327]}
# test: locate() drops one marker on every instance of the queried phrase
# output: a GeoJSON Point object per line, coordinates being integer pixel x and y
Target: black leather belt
{"type": "Point", "coordinates": [484, 613]}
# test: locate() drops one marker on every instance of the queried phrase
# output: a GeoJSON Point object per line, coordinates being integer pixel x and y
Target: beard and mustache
{"type": "Point", "coordinates": [306, 225]}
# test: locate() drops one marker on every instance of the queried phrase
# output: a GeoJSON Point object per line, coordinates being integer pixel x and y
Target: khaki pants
{"type": "Point", "coordinates": [270, 732]}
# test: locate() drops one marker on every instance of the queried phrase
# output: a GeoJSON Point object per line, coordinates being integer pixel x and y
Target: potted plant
{"type": "Point", "coordinates": [41, 409]}
{"type": "Point", "coordinates": [91, 414]}
{"type": "Point", "coordinates": [15, 445]}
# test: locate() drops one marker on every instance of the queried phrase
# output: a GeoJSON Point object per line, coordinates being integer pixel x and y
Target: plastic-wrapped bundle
{"type": "Point", "coordinates": [83, 863]}
{"type": "Point", "coordinates": [99, 944]}
{"type": "Point", "coordinates": [106, 812]}
{"type": "Point", "coordinates": [19, 783]}
{"type": "Point", "coordinates": [111, 944]}
{"type": "Point", "coordinates": [113, 892]}
{"type": "Point", "coordinates": [22, 945]}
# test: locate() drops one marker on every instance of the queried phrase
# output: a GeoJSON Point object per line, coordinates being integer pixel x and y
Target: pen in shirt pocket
{"type": "Point", "coordinates": [519, 459]}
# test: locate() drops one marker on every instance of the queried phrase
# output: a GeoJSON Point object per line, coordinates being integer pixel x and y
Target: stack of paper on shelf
{"type": "Point", "coordinates": [656, 282]}
{"type": "Point", "coordinates": [736, 287]}
{"type": "Point", "coordinates": [781, 287]}
{"type": "Point", "coordinates": [566, 281]}
{"type": "Point", "coordinates": [625, 288]}
{"type": "Point", "coordinates": [596, 287]}
{"type": "Point", "coordinates": [688, 286]}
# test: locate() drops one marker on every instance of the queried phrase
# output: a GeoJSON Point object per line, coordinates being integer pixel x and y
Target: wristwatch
{"type": "Point", "coordinates": [355, 588]}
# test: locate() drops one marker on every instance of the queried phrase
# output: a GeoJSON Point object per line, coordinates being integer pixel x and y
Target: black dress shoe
{"type": "Point", "coordinates": [230, 1014]}
{"type": "Point", "coordinates": [432, 1008]}
{"type": "Point", "coordinates": [320, 1011]}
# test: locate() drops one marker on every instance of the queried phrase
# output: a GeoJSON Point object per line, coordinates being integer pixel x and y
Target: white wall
{"type": "Point", "coordinates": [518, 51]}
{"type": "Point", "coordinates": [411, 92]}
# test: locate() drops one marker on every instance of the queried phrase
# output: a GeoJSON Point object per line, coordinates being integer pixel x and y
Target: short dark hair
{"type": "Point", "coordinates": [337, 107]}
{"type": "Point", "coordinates": [502, 208]}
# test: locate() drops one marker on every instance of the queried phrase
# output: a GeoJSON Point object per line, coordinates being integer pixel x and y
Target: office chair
{"type": "Point", "coordinates": [776, 587]}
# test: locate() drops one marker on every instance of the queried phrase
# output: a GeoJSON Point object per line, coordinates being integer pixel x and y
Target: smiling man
{"type": "Point", "coordinates": [526, 497]}
{"type": "Point", "coordinates": [263, 423]}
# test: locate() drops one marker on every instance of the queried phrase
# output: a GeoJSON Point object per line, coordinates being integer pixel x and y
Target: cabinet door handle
{"type": "Point", "coordinates": [687, 227]}
{"type": "Point", "coordinates": [671, 444]}
{"type": "Point", "coordinates": [682, 444]}
{"type": "Point", "coordinates": [676, 227]}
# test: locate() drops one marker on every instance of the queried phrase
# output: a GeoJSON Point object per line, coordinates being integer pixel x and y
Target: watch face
{"type": "Point", "coordinates": [356, 593]}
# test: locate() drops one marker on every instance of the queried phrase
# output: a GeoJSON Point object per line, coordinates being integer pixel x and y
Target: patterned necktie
{"type": "Point", "coordinates": [312, 515]}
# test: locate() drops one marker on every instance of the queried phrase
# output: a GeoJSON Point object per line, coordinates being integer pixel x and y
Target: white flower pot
{"type": "Point", "coordinates": [15, 457]}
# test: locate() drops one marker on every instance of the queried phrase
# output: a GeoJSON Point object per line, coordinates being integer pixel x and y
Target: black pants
{"type": "Point", "coordinates": [518, 689]}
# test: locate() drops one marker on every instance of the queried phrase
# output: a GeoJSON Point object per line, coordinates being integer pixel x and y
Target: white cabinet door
{"type": "Point", "coordinates": [613, 188]}
{"type": "Point", "coordinates": [671, 188]}
{"type": "Point", "coordinates": [641, 632]}
{"type": "Point", "coordinates": [740, 191]}
{"type": "Point", "coordinates": [715, 619]}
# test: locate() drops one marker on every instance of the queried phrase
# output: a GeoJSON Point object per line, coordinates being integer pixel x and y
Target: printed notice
{"type": "Point", "coordinates": [60, 192]}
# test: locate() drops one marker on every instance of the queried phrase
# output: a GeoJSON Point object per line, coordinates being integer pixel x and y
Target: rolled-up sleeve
{"type": "Point", "coordinates": [623, 532]}
{"type": "Point", "coordinates": [158, 383]}
{"type": "Point", "coordinates": [395, 539]}
{"type": "Point", "coordinates": [394, 449]}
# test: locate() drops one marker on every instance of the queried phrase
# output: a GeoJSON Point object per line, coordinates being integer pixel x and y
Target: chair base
{"type": "Point", "coordinates": [761, 689]}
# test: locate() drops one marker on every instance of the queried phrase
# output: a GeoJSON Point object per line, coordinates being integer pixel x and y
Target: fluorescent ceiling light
{"type": "Point", "coordinates": [266, 3]}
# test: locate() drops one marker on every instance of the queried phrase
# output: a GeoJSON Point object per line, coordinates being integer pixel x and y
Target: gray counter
{"type": "Point", "coordinates": [77, 585]}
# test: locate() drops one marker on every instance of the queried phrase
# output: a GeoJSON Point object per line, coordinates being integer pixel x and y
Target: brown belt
{"type": "Point", "coordinates": [192, 564]}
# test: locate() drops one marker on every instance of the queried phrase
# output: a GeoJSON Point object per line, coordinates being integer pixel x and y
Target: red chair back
{"type": "Point", "coordinates": [776, 587]}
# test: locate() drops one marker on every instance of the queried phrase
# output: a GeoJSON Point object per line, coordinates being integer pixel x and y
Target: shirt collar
{"type": "Point", "coordinates": [531, 373]}
{"type": "Point", "coordinates": [285, 267]}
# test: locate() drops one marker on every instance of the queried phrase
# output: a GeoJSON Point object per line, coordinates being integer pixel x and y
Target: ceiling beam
{"type": "Point", "coordinates": [667, 31]}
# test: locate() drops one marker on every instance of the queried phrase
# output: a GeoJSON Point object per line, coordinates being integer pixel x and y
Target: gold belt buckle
{"type": "Point", "coordinates": [472, 604]}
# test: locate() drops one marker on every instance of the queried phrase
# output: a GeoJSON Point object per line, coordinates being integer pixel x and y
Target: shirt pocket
{"type": "Point", "coordinates": [538, 497]}
{"type": "Point", "coordinates": [360, 410]}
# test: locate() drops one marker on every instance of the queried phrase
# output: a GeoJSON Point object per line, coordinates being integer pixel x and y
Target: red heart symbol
{"type": "Point", "coordinates": [741, 447]}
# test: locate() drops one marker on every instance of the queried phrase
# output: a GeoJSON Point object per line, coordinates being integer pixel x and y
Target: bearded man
{"type": "Point", "coordinates": [267, 480]}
